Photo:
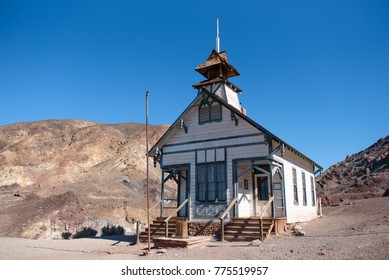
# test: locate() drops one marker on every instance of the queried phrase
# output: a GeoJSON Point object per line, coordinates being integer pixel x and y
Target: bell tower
{"type": "Point", "coordinates": [217, 70]}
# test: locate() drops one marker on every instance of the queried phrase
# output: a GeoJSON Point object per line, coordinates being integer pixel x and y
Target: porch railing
{"type": "Point", "coordinates": [232, 203]}
{"type": "Point", "coordinates": [138, 220]}
{"type": "Point", "coordinates": [266, 206]}
{"type": "Point", "coordinates": [172, 215]}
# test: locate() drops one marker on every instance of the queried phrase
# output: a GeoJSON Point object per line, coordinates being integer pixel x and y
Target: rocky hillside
{"type": "Point", "coordinates": [68, 174]}
{"type": "Point", "coordinates": [362, 175]}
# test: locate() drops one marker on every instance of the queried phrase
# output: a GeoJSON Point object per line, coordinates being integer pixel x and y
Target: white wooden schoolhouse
{"type": "Point", "coordinates": [234, 177]}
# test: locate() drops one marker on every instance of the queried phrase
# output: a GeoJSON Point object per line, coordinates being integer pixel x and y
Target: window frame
{"type": "Point", "coordinates": [313, 191]}
{"type": "Point", "coordinates": [262, 190]}
{"type": "Point", "coordinates": [304, 183]}
{"type": "Point", "coordinates": [219, 182]}
{"type": "Point", "coordinates": [295, 187]}
{"type": "Point", "coordinates": [210, 113]}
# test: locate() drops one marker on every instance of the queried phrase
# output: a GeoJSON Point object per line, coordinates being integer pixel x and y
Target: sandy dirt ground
{"type": "Point", "coordinates": [358, 230]}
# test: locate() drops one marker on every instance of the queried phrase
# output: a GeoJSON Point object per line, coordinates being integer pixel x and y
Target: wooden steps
{"type": "Point", "coordinates": [247, 229]}
{"type": "Point", "coordinates": [157, 228]}
{"type": "Point", "coordinates": [167, 242]}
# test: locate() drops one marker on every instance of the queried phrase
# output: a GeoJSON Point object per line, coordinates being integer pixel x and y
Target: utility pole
{"type": "Point", "coordinates": [147, 172]}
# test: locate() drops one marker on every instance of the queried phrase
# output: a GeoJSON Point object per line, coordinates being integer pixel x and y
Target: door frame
{"type": "Point", "coordinates": [251, 204]}
{"type": "Point", "coordinates": [256, 190]}
{"type": "Point", "coordinates": [184, 212]}
{"type": "Point", "coordinates": [172, 169]}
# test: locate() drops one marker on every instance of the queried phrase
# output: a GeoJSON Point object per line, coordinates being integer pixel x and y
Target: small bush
{"type": "Point", "coordinates": [112, 230]}
{"type": "Point", "coordinates": [85, 232]}
{"type": "Point", "coordinates": [66, 235]}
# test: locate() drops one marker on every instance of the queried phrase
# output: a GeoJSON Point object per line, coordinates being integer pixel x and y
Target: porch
{"type": "Point", "coordinates": [255, 209]}
{"type": "Point", "coordinates": [258, 204]}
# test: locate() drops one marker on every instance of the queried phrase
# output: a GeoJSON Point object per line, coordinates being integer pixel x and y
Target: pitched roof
{"type": "Point", "coordinates": [164, 138]}
{"type": "Point", "coordinates": [217, 80]}
{"type": "Point", "coordinates": [214, 59]}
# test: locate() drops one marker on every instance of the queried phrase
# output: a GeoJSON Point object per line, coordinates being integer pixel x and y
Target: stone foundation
{"type": "Point", "coordinates": [204, 228]}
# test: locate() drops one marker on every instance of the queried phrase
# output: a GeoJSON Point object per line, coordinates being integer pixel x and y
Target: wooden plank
{"type": "Point", "coordinates": [182, 229]}
{"type": "Point", "coordinates": [166, 242]}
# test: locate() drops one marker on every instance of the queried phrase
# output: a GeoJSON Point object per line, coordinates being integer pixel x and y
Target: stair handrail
{"type": "Point", "coordinates": [166, 221]}
{"type": "Point", "coordinates": [267, 204]}
{"type": "Point", "coordinates": [138, 220]}
{"type": "Point", "coordinates": [222, 216]}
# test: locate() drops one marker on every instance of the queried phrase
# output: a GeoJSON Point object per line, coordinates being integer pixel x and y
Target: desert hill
{"type": "Point", "coordinates": [59, 174]}
{"type": "Point", "coordinates": [362, 175]}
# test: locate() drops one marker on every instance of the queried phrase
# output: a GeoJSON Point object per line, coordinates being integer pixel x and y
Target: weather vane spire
{"type": "Point", "coordinates": [217, 36]}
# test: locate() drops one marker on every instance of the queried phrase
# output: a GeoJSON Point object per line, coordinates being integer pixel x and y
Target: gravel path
{"type": "Point", "coordinates": [356, 231]}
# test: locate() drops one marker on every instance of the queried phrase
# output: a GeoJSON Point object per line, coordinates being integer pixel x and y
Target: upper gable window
{"type": "Point", "coordinates": [210, 112]}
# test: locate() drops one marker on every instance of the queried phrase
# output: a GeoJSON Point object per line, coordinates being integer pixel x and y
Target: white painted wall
{"type": "Point", "coordinates": [300, 212]}
{"type": "Point", "coordinates": [178, 153]}
{"type": "Point", "coordinates": [225, 93]}
{"type": "Point", "coordinates": [232, 98]}
{"type": "Point", "coordinates": [210, 130]}
{"type": "Point", "coordinates": [253, 147]}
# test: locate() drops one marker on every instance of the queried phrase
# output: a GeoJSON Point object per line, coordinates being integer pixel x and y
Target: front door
{"type": "Point", "coordinates": [245, 197]}
{"type": "Point", "coordinates": [182, 192]}
{"type": "Point", "coordinates": [262, 194]}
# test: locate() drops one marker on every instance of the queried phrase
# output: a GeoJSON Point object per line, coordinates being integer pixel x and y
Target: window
{"type": "Point", "coordinates": [304, 190]}
{"type": "Point", "coordinates": [296, 197]}
{"type": "Point", "coordinates": [313, 191]}
{"type": "Point", "coordinates": [263, 188]}
{"type": "Point", "coordinates": [210, 112]}
{"type": "Point", "coordinates": [211, 182]}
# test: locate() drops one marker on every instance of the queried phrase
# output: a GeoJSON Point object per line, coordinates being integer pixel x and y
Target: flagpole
{"type": "Point", "coordinates": [147, 173]}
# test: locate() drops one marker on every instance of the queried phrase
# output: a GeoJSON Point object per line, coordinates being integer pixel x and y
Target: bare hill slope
{"type": "Point", "coordinates": [62, 173]}
{"type": "Point", "coordinates": [362, 175]}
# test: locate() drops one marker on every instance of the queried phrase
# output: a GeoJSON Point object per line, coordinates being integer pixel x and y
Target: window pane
{"type": "Point", "coordinates": [296, 198]}
{"type": "Point", "coordinates": [201, 192]}
{"type": "Point", "coordinates": [313, 192]}
{"type": "Point", "coordinates": [264, 190]}
{"type": "Point", "coordinates": [211, 173]}
{"type": "Point", "coordinates": [211, 191]}
{"type": "Point", "coordinates": [220, 171]}
{"type": "Point", "coordinates": [221, 179]}
{"type": "Point", "coordinates": [221, 191]}
{"type": "Point", "coordinates": [211, 182]}
{"type": "Point", "coordinates": [304, 190]}
{"type": "Point", "coordinates": [201, 178]}
{"type": "Point", "coordinates": [294, 177]}
{"type": "Point", "coordinates": [201, 173]}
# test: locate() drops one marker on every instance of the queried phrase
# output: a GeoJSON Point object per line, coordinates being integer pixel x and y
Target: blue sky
{"type": "Point", "coordinates": [315, 73]}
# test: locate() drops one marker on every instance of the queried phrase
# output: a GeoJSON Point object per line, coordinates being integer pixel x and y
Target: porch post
{"type": "Point", "coordinates": [188, 193]}
{"type": "Point", "coordinates": [273, 208]}
{"type": "Point", "coordinates": [235, 187]}
{"type": "Point", "coordinates": [162, 193]}
{"type": "Point", "coordinates": [283, 189]}
{"type": "Point", "coordinates": [254, 185]}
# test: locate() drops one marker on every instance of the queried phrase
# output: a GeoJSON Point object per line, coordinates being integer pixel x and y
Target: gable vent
{"type": "Point", "coordinates": [210, 113]}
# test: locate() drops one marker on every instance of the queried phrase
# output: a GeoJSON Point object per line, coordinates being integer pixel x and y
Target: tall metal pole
{"type": "Point", "coordinates": [147, 172]}
{"type": "Point", "coordinates": [217, 36]}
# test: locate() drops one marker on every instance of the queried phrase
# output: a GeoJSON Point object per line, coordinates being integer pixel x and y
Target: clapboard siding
{"type": "Point", "coordinates": [217, 143]}
{"type": "Point", "coordinates": [212, 130]}
{"type": "Point", "coordinates": [178, 158]}
{"type": "Point", "coordinates": [252, 151]}
{"type": "Point", "coordinates": [297, 212]}
{"type": "Point", "coordinates": [225, 140]}
{"type": "Point", "coordinates": [294, 158]}
{"type": "Point", "coordinates": [240, 141]}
